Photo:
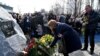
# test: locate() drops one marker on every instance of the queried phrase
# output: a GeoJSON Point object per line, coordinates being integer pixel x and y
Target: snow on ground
{"type": "Point", "coordinates": [85, 53]}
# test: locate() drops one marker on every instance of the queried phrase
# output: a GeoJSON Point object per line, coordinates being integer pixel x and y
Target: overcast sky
{"type": "Point", "coordinates": [29, 5]}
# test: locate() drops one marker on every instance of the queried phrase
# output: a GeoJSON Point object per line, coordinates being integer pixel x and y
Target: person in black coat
{"type": "Point", "coordinates": [68, 36]}
{"type": "Point", "coordinates": [26, 25]}
{"type": "Point", "coordinates": [51, 16]}
{"type": "Point", "coordinates": [91, 20]}
{"type": "Point", "coordinates": [37, 19]}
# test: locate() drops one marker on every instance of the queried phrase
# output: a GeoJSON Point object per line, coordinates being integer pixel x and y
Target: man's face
{"type": "Point", "coordinates": [88, 9]}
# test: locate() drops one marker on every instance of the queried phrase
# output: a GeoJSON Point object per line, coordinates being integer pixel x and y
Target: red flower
{"type": "Point", "coordinates": [30, 45]}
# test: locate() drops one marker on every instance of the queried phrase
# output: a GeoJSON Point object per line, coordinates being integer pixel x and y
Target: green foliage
{"type": "Point", "coordinates": [41, 48]}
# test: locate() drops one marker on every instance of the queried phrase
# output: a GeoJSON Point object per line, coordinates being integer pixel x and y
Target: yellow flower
{"type": "Point", "coordinates": [43, 41]}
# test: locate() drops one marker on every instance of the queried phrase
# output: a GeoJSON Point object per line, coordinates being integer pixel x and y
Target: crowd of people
{"type": "Point", "coordinates": [36, 24]}
{"type": "Point", "coordinates": [29, 22]}
{"type": "Point", "coordinates": [32, 22]}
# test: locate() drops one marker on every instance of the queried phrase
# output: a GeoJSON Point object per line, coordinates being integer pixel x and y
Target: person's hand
{"type": "Point", "coordinates": [48, 46]}
{"type": "Point", "coordinates": [59, 35]}
{"type": "Point", "coordinates": [24, 52]}
{"type": "Point", "coordinates": [84, 24]}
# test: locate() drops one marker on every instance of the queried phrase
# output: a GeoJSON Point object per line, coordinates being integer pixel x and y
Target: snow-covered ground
{"type": "Point", "coordinates": [86, 53]}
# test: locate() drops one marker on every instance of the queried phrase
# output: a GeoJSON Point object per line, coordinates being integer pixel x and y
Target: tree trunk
{"type": "Point", "coordinates": [92, 2]}
{"type": "Point", "coordinates": [75, 11]}
{"type": "Point", "coordinates": [99, 4]}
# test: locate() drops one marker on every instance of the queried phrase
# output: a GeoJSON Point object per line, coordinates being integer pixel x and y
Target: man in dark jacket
{"type": "Point", "coordinates": [91, 18]}
{"type": "Point", "coordinates": [68, 36]}
{"type": "Point", "coordinates": [51, 16]}
{"type": "Point", "coordinates": [26, 25]}
{"type": "Point", "coordinates": [37, 19]}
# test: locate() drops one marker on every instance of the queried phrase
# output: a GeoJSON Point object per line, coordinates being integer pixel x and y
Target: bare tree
{"type": "Point", "coordinates": [99, 4]}
{"type": "Point", "coordinates": [75, 6]}
{"type": "Point", "coordinates": [75, 11]}
{"type": "Point", "coordinates": [57, 9]}
{"type": "Point", "coordinates": [79, 6]}
{"type": "Point", "coordinates": [92, 1]}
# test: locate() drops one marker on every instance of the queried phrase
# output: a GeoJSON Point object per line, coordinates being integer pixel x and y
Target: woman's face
{"type": "Point", "coordinates": [52, 27]}
{"type": "Point", "coordinates": [52, 24]}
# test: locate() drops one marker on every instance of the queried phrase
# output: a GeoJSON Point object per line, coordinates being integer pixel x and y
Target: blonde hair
{"type": "Point", "coordinates": [52, 24]}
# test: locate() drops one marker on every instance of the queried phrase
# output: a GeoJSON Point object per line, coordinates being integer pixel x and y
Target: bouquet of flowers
{"type": "Point", "coordinates": [46, 40]}
{"type": "Point", "coordinates": [31, 48]}
{"type": "Point", "coordinates": [38, 47]}
{"type": "Point", "coordinates": [43, 42]}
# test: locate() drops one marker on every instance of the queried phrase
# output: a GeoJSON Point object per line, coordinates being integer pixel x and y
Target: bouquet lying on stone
{"type": "Point", "coordinates": [31, 45]}
{"type": "Point", "coordinates": [38, 47]}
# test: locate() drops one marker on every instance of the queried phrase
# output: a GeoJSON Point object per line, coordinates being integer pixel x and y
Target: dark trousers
{"type": "Point", "coordinates": [65, 54]}
{"type": "Point", "coordinates": [89, 34]}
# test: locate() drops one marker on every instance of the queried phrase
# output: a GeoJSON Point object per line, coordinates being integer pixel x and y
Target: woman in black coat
{"type": "Point", "coordinates": [68, 36]}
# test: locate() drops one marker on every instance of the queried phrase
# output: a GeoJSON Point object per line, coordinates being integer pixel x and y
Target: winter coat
{"type": "Point", "coordinates": [70, 39]}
